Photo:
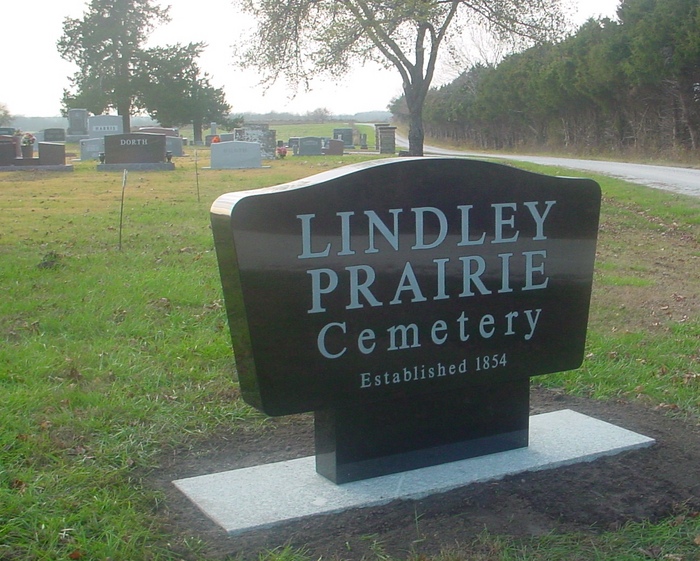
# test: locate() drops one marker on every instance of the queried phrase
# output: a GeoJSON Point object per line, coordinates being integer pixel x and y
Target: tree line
{"type": "Point", "coordinates": [615, 86]}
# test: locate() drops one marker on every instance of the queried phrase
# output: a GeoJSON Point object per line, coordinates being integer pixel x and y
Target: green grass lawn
{"type": "Point", "coordinates": [111, 358]}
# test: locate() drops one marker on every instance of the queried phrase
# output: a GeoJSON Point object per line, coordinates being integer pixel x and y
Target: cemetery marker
{"type": "Point", "coordinates": [407, 302]}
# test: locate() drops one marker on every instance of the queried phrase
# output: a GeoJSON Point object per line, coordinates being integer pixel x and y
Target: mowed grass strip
{"type": "Point", "coordinates": [109, 358]}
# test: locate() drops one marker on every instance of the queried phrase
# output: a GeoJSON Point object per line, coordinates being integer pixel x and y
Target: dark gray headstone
{"type": "Point", "coordinates": [344, 134]}
{"type": "Point", "coordinates": [77, 122]}
{"type": "Point", "coordinates": [52, 153]}
{"type": "Point", "coordinates": [135, 148]}
{"type": "Point", "coordinates": [387, 140]}
{"type": "Point", "coordinates": [310, 146]}
{"type": "Point", "coordinates": [8, 150]}
{"type": "Point", "coordinates": [54, 135]}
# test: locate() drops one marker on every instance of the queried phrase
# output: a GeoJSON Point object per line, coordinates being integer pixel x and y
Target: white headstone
{"type": "Point", "coordinates": [100, 126]}
{"type": "Point", "coordinates": [235, 155]}
{"type": "Point", "coordinates": [173, 144]}
{"type": "Point", "coordinates": [90, 148]}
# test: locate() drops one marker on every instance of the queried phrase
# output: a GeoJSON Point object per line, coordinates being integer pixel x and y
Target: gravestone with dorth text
{"type": "Point", "coordinates": [407, 302]}
{"type": "Point", "coordinates": [135, 148]}
{"type": "Point", "coordinates": [235, 155]}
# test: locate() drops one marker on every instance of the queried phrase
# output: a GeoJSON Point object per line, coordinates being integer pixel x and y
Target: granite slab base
{"type": "Point", "coordinates": [263, 496]}
{"type": "Point", "coordinates": [38, 167]}
{"type": "Point", "coordinates": [163, 166]}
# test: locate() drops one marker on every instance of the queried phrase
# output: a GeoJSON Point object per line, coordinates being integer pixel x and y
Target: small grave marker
{"type": "Point", "coordinates": [91, 148]}
{"type": "Point", "coordinates": [334, 148]}
{"type": "Point", "coordinates": [407, 302]}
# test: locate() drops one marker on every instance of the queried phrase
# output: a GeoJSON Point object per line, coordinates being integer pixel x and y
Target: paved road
{"type": "Point", "coordinates": [678, 180]}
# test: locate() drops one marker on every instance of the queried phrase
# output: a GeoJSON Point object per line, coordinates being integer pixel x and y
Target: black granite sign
{"type": "Point", "coordinates": [135, 148]}
{"type": "Point", "coordinates": [401, 291]}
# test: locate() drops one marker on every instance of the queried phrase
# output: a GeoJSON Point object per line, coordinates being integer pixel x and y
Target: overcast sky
{"type": "Point", "coordinates": [34, 76]}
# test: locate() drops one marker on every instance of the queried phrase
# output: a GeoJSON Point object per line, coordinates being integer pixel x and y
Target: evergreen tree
{"type": "Point", "coordinates": [107, 46]}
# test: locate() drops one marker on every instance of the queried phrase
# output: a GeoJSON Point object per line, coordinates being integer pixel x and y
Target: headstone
{"type": "Point", "coordinates": [135, 148]}
{"type": "Point", "coordinates": [293, 143]}
{"type": "Point", "coordinates": [174, 145]}
{"type": "Point", "coordinates": [261, 133]}
{"type": "Point", "coordinates": [8, 150]}
{"type": "Point", "coordinates": [310, 146]}
{"type": "Point", "coordinates": [387, 140]}
{"type": "Point", "coordinates": [334, 148]}
{"type": "Point", "coordinates": [52, 153]}
{"type": "Point", "coordinates": [54, 135]}
{"type": "Point", "coordinates": [7, 131]}
{"type": "Point", "coordinates": [212, 127]}
{"type": "Point", "coordinates": [100, 126]}
{"type": "Point", "coordinates": [363, 141]}
{"type": "Point", "coordinates": [227, 137]}
{"type": "Point", "coordinates": [407, 302]}
{"type": "Point", "coordinates": [235, 155]}
{"type": "Point", "coordinates": [91, 148]}
{"type": "Point", "coordinates": [160, 130]}
{"type": "Point", "coordinates": [377, 126]}
{"type": "Point", "coordinates": [344, 134]}
{"type": "Point", "coordinates": [77, 122]}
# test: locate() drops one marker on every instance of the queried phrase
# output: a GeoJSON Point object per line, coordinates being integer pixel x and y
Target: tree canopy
{"type": "Point", "coordinates": [107, 46]}
{"type": "Point", "coordinates": [116, 70]}
{"type": "Point", "coordinates": [175, 92]}
{"type": "Point", "coordinates": [300, 39]}
{"type": "Point", "coordinates": [5, 116]}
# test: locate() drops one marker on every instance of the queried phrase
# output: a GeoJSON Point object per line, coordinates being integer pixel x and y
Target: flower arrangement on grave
{"type": "Point", "coordinates": [28, 139]}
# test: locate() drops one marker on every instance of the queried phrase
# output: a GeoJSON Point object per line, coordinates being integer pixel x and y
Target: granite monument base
{"type": "Point", "coordinates": [162, 166]}
{"type": "Point", "coordinates": [369, 440]}
{"type": "Point", "coordinates": [35, 166]}
{"type": "Point", "coordinates": [262, 496]}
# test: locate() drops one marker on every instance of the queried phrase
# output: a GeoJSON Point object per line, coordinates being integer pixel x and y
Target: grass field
{"type": "Point", "coordinates": [111, 358]}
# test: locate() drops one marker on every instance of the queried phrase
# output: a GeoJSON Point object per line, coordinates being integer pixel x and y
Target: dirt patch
{"type": "Point", "coordinates": [646, 484]}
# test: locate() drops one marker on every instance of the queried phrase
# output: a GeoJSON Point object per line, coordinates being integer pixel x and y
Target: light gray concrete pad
{"type": "Point", "coordinates": [265, 495]}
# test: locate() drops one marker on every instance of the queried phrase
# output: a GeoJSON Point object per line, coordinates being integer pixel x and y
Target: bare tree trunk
{"type": "Point", "coordinates": [197, 129]}
{"type": "Point", "coordinates": [414, 101]}
{"type": "Point", "coordinates": [124, 111]}
{"type": "Point", "coordinates": [416, 134]}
